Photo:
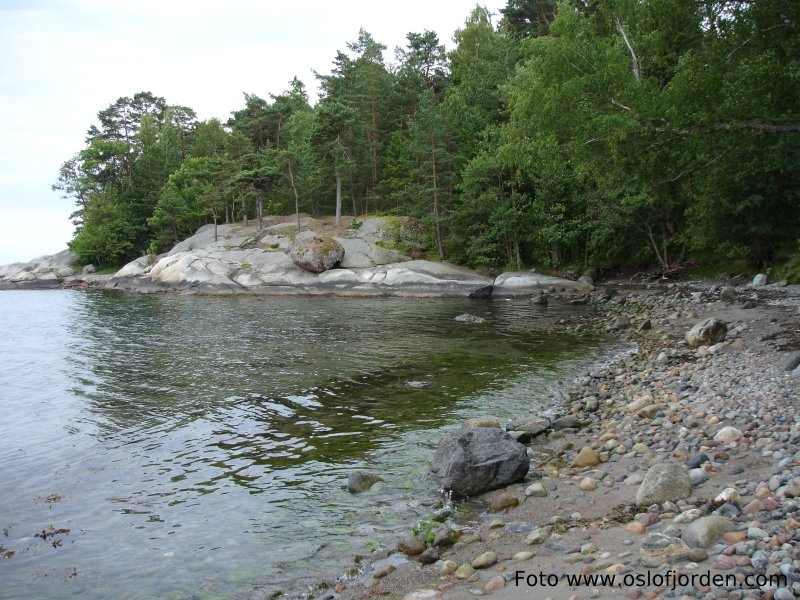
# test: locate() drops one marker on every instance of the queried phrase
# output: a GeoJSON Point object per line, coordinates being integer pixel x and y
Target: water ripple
{"type": "Point", "coordinates": [179, 436]}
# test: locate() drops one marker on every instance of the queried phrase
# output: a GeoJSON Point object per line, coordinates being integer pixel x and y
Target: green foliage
{"type": "Point", "coordinates": [585, 132]}
{"type": "Point", "coordinates": [104, 236]}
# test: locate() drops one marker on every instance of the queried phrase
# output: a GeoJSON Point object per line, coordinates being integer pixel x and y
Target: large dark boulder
{"type": "Point", "coordinates": [473, 461]}
{"type": "Point", "coordinates": [317, 253]}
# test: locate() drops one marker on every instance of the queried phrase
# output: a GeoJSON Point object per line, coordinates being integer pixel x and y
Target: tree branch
{"type": "Point", "coordinates": [634, 61]}
{"type": "Point", "coordinates": [686, 172]}
{"type": "Point", "coordinates": [619, 105]}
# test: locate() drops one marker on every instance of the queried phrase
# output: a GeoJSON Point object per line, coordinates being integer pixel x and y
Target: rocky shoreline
{"type": "Point", "coordinates": [721, 420]}
{"type": "Point", "coordinates": [277, 259]}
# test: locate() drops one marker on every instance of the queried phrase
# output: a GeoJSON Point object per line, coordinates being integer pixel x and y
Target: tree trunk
{"type": "Point", "coordinates": [374, 142]}
{"type": "Point", "coordinates": [244, 209]}
{"type": "Point", "coordinates": [296, 199]}
{"type": "Point", "coordinates": [338, 200]}
{"type": "Point", "coordinates": [353, 196]}
{"type": "Point", "coordinates": [654, 245]}
{"type": "Point", "coordinates": [439, 245]}
{"type": "Point", "coordinates": [260, 211]}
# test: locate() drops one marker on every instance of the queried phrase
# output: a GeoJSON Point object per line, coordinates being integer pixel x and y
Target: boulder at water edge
{"type": "Point", "coordinates": [316, 253]}
{"type": "Point", "coordinates": [706, 333]}
{"type": "Point", "coordinates": [473, 461]}
{"type": "Point", "coordinates": [360, 481]}
{"type": "Point", "coordinates": [664, 482]}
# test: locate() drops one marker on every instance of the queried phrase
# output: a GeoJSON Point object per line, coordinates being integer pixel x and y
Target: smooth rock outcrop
{"type": "Point", "coordinates": [361, 254]}
{"type": "Point", "coordinates": [706, 333]}
{"type": "Point", "coordinates": [664, 482]}
{"type": "Point", "coordinates": [516, 283]}
{"type": "Point", "coordinates": [258, 270]}
{"type": "Point", "coordinates": [47, 271]}
{"type": "Point", "coordinates": [473, 461]}
{"type": "Point", "coordinates": [140, 266]}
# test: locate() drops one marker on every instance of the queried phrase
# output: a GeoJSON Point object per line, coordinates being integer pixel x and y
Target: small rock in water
{"type": "Point", "coordinates": [468, 318]}
{"type": "Point", "coordinates": [523, 555]}
{"type": "Point", "coordinates": [588, 484]}
{"type": "Point", "coordinates": [539, 300]}
{"type": "Point", "coordinates": [361, 481]}
{"type": "Point", "coordinates": [411, 545]}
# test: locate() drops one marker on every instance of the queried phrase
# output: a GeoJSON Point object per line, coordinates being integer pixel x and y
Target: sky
{"type": "Point", "coordinates": [62, 61]}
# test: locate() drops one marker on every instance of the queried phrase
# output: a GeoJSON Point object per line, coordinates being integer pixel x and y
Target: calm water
{"type": "Point", "coordinates": [198, 447]}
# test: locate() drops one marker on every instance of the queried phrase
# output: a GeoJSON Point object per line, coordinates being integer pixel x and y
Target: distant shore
{"type": "Point", "coordinates": [273, 259]}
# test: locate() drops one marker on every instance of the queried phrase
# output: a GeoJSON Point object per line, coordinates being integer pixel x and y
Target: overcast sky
{"type": "Point", "coordinates": [62, 61]}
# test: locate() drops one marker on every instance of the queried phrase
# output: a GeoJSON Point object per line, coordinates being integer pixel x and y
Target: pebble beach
{"type": "Point", "coordinates": [672, 472]}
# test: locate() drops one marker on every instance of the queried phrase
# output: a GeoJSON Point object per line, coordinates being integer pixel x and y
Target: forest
{"type": "Point", "coordinates": [556, 135]}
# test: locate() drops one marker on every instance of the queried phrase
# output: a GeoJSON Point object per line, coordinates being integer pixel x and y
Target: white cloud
{"type": "Point", "coordinates": [63, 61]}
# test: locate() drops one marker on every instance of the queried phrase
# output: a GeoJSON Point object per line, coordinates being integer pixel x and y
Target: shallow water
{"type": "Point", "coordinates": [198, 447]}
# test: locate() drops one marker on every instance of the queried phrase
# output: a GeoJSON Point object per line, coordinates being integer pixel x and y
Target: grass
{"type": "Point", "coordinates": [713, 269]}
{"type": "Point", "coordinates": [788, 270]}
